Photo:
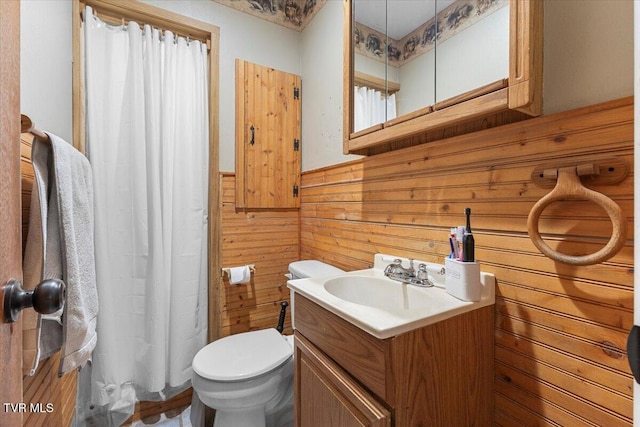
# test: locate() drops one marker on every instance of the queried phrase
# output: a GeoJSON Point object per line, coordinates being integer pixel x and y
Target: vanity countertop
{"type": "Point", "coordinates": [383, 307]}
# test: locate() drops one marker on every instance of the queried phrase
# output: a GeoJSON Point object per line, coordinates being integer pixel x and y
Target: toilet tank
{"type": "Point", "coordinates": [312, 268]}
{"type": "Point", "coordinates": [305, 269]}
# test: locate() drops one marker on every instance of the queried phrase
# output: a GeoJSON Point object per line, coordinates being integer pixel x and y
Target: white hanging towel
{"type": "Point", "coordinates": [60, 245]}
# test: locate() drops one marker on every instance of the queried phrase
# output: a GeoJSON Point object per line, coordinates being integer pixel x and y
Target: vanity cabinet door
{"type": "Point", "coordinates": [325, 395]}
{"type": "Point", "coordinates": [268, 111]}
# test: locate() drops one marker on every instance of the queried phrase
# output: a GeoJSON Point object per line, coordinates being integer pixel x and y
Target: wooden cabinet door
{"type": "Point", "coordinates": [268, 110]}
{"type": "Point", "coordinates": [325, 395]}
{"type": "Point", "coordinates": [11, 397]}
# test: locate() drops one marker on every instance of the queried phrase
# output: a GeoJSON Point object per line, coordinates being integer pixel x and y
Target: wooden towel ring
{"type": "Point", "coordinates": [569, 187]}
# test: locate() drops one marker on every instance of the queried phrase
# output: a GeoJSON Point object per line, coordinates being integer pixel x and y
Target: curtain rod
{"type": "Point", "coordinates": [112, 19]}
{"type": "Point", "coordinates": [26, 126]}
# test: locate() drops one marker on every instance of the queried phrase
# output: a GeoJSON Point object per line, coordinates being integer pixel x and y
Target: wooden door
{"type": "Point", "coordinates": [325, 395]}
{"type": "Point", "coordinates": [268, 111]}
{"type": "Point", "coordinates": [10, 216]}
{"type": "Point", "coordinates": [636, 212]}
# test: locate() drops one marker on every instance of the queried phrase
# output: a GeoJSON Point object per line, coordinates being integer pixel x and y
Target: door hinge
{"type": "Point", "coordinates": [296, 93]}
{"type": "Point", "coordinates": [296, 144]}
{"type": "Point", "coordinates": [295, 191]}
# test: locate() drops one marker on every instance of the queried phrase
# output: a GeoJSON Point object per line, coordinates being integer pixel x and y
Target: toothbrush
{"type": "Point", "coordinates": [459, 238]}
{"type": "Point", "coordinates": [468, 243]}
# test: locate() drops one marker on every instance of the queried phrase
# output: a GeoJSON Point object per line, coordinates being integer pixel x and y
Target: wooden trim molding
{"type": "Point", "coordinates": [372, 82]}
{"type": "Point", "coordinates": [347, 80]}
{"type": "Point", "coordinates": [476, 107]}
{"type": "Point", "coordinates": [483, 90]}
{"type": "Point", "coordinates": [117, 10]}
{"type": "Point", "coordinates": [215, 221]}
{"type": "Point", "coordinates": [525, 51]}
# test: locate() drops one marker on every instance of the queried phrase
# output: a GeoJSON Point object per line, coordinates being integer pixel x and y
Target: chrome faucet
{"type": "Point", "coordinates": [395, 271]}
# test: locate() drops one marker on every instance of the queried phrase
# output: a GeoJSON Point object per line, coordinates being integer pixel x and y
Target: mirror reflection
{"type": "Point", "coordinates": [472, 45]}
{"type": "Point", "coordinates": [374, 91]}
{"type": "Point", "coordinates": [411, 54]}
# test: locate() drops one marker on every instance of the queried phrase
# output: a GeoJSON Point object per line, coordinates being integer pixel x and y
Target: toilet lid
{"type": "Point", "coordinates": [241, 356]}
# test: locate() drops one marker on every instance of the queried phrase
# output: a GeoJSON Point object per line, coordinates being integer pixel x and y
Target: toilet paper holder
{"type": "Point", "coordinates": [226, 271]}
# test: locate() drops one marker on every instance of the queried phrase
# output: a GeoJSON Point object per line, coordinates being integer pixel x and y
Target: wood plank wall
{"type": "Point", "coordinates": [45, 386]}
{"type": "Point", "coordinates": [270, 239]}
{"type": "Point", "coordinates": [560, 331]}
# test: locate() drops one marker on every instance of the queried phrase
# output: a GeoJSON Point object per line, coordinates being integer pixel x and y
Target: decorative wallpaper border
{"type": "Point", "coordinates": [455, 18]}
{"type": "Point", "coordinates": [292, 14]}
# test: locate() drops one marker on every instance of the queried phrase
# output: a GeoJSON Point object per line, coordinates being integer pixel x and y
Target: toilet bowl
{"type": "Point", "coordinates": [248, 377]}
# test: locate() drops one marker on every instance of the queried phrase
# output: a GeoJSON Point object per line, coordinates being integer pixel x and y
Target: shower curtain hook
{"type": "Point", "coordinates": [122, 25]}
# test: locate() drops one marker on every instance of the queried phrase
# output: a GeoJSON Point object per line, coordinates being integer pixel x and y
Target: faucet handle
{"type": "Point", "coordinates": [422, 271]}
{"type": "Point", "coordinates": [389, 269]}
{"type": "Point", "coordinates": [393, 267]}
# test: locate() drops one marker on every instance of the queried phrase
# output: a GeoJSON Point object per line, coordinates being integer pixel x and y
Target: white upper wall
{"type": "Point", "coordinates": [588, 59]}
{"type": "Point", "coordinates": [46, 59]}
{"type": "Point", "coordinates": [322, 89]}
{"type": "Point", "coordinates": [588, 53]}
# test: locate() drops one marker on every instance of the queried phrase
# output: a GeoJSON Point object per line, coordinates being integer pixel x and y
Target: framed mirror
{"type": "Point", "coordinates": [438, 68]}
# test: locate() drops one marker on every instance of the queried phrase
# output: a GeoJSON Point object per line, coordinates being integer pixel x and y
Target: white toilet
{"type": "Point", "coordinates": [248, 378]}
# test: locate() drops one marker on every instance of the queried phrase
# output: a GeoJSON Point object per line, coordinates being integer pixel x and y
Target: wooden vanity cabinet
{"type": "Point", "coordinates": [329, 396]}
{"type": "Point", "coordinates": [437, 375]}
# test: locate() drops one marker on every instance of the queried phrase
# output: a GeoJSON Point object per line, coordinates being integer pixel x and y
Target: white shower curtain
{"type": "Point", "coordinates": [147, 141]}
{"type": "Point", "coordinates": [370, 107]}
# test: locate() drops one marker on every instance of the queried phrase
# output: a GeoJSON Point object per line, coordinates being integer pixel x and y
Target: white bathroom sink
{"type": "Point", "coordinates": [383, 307]}
{"type": "Point", "coordinates": [379, 293]}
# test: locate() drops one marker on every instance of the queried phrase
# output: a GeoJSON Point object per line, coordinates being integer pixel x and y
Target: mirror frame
{"type": "Point", "coordinates": [515, 98]}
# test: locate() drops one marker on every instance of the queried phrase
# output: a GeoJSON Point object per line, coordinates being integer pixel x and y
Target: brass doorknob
{"type": "Point", "coordinates": [48, 297]}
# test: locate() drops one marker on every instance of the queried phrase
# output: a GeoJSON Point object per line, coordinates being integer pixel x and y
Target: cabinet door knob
{"type": "Point", "coordinates": [253, 135]}
{"type": "Point", "coordinates": [48, 297]}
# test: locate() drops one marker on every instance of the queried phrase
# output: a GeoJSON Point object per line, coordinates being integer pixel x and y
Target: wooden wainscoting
{"type": "Point", "coordinates": [45, 387]}
{"type": "Point", "coordinates": [560, 331]}
{"type": "Point", "coordinates": [267, 238]}
{"type": "Point", "coordinates": [27, 178]}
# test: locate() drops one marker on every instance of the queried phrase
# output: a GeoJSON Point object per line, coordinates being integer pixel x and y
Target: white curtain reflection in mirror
{"type": "Point", "coordinates": [370, 106]}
